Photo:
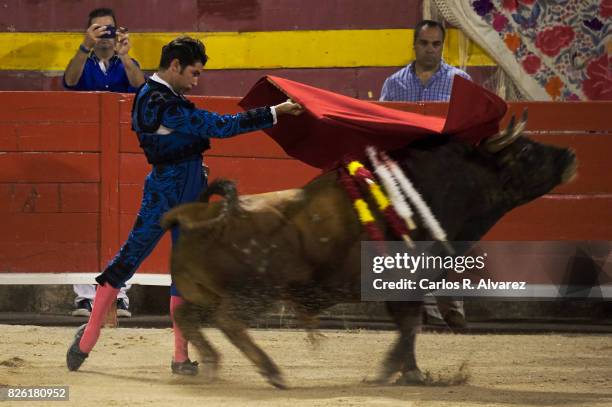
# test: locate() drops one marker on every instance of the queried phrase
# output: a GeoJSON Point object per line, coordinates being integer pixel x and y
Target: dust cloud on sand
{"type": "Point", "coordinates": [131, 367]}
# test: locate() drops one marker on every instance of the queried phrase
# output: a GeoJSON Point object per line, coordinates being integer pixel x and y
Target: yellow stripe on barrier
{"type": "Point", "coordinates": [247, 50]}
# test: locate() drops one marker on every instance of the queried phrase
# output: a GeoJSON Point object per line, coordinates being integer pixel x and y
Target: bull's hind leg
{"type": "Point", "coordinates": [402, 358]}
{"type": "Point", "coordinates": [187, 317]}
{"type": "Point", "coordinates": [236, 332]}
{"type": "Point", "coordinates": [307, 317]}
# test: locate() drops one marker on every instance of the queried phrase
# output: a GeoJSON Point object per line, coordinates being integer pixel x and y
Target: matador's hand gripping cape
{"type": "Point", "coordinates": [334, 125]}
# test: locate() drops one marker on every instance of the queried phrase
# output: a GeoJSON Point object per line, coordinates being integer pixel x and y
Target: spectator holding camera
{"type": "Point", "coordinates": [102, 62]}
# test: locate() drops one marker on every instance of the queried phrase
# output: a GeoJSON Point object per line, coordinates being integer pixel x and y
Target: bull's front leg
{"type": "Point", "coordinates": [236, 332]}
{"type": "Point", "coordinates": [187, 317]}
{"type": "Point", "coordinates": [402, 357]}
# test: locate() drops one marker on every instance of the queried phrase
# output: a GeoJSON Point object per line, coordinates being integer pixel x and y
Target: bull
{"type": "Point", "coordinates": [238, 256]}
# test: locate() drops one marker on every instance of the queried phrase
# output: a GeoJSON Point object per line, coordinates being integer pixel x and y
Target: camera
{"type": "Point", "coordinates": [112, 32]}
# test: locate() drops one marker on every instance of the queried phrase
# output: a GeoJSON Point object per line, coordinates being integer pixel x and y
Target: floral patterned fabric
{"type": "Point", "coordinates": [553, 49]}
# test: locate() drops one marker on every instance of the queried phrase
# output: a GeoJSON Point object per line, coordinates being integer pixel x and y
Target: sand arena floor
{"type": "Point", "coordinates": [130, 367]}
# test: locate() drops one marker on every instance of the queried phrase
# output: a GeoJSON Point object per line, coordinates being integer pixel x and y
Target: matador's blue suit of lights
{"type": "Point", "coordinates": [173, 134]}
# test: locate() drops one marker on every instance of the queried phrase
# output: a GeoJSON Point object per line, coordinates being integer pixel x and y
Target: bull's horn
{"type": "Point", "coordinates": [521, 126]}
{"type": "Point", "coordinates": [507, 136]}
{"type": "Point", "coordinates": [503, 133]}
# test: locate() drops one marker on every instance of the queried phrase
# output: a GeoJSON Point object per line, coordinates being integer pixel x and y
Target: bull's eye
{"type": "Point", "coordinates": [529, 155]}
{"type": "Point", "coordinates": [526, 151]}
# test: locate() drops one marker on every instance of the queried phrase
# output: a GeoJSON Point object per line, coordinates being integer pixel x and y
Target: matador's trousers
{"type": "Point", "coordinates": [165, 187]}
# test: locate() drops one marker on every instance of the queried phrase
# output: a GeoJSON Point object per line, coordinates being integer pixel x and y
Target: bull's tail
{"type": "Point", "coordinates": [222, 187]}
{"type": "Point", "coordinates": [180, 215]}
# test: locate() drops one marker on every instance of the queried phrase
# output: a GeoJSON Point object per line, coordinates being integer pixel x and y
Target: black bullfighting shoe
{"type": "Point", "coordinates": [74, 357]}
{"type": "Point", "coordinates": [186, 368]}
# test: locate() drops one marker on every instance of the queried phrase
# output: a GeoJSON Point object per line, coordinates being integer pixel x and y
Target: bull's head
{"type": "Point", "coordinates": [527, 168]}
{"type": "Point", "coordinates": [470, 189]}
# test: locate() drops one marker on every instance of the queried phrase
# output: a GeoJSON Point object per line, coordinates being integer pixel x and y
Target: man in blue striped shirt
{"type": "Point", "coordinates": [428, 78]}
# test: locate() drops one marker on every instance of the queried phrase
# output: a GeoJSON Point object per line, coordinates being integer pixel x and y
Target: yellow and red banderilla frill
{"type": "Point", "coordinates": [355, 174]}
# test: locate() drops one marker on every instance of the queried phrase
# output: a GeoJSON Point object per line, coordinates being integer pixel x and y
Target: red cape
{"type": "Point", "coordinates": [334, 125]}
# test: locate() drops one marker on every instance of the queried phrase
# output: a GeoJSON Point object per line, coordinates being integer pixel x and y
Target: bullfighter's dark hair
{"type": "Point", "coordinates": [101, 12]}
{"type": "Point", "coordinates": [429, 24]}
{"type": "Point", "coordinates": [186, 49]}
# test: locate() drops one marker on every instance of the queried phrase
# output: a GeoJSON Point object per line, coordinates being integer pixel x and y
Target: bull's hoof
{"type": "Point", "coordinates": [315, 338]}
{"type": "Point", "coordinates": [388, 374]}
{"type": "Point", "coordinates": [383, 379]}
{"type": "Point", "coordinates": [209, 370]}
{"type": "Point", "coordinates": [277, 381]}
{"type": "Point", "coordinates": [411, 378]}
{"type": "Point", "coordinates": [379, 381]}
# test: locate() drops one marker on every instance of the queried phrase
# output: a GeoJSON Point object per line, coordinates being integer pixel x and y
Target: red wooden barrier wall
{"type": "Point", "coordinates": [71, 176]}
